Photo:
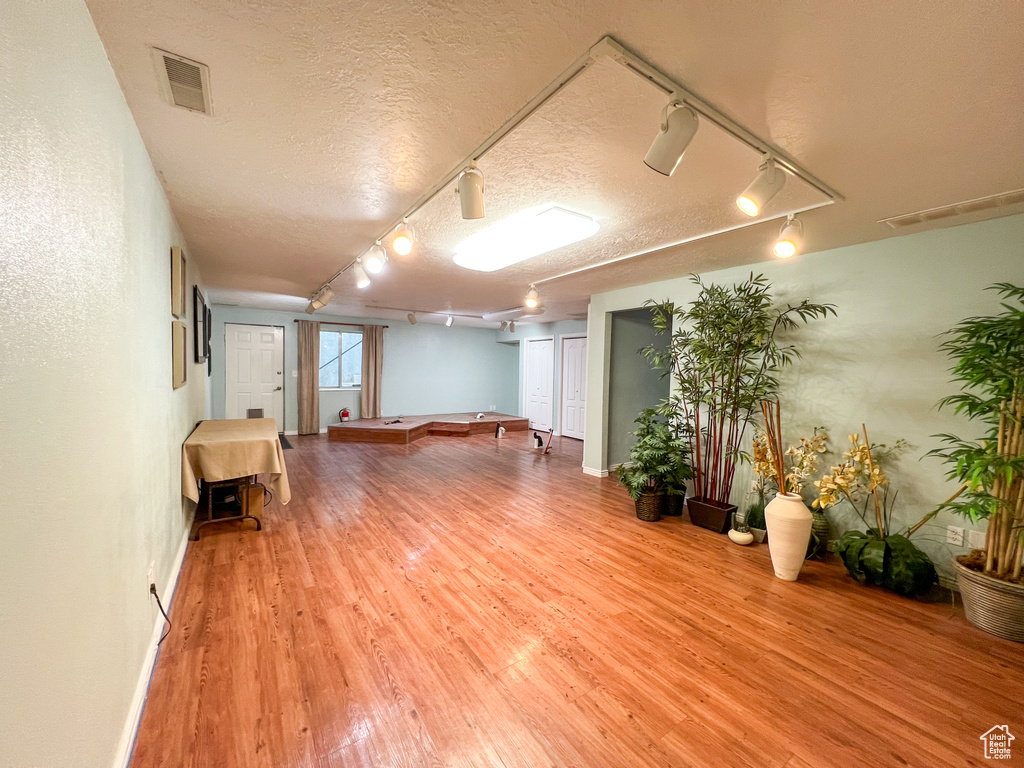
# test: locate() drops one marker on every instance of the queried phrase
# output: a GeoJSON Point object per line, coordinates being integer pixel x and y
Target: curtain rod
{"type": "Point", "coordinates": [323, 322]}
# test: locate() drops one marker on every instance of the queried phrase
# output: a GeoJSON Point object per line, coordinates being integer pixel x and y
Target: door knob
{"type": "Point", "coordinates": [277, 389]}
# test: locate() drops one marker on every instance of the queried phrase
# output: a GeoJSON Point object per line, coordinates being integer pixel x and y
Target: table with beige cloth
{"type": "Point", "coordinates": [223, 449]}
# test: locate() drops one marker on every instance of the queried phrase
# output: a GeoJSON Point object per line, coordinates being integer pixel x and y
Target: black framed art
{"type": "Point", "coordinates": [200, 339]}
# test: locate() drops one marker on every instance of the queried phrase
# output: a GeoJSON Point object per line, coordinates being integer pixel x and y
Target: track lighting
{"type": "Point", "coordinates": [320, 299]}
{"type": "Point", "coordinates": [512, 327]}
{"type": "Point", "coordinates": [376, 259]}
{"type": "Point", "coordinates": [412, 318]}
{"type": "Point", "coordinates": [762, 189]}
{"type": "Point", "coordinates": [402, 242]}
{"type": "Point", "coordinates": [449, 321]}
{"type": "Point", "coordinates": [504, 324]}
{"type": "Point", "coordinates": [791, 238]}
{"type": "Point", "coordinates": [471, 192]}
{"type": "Point", "coordinates": [362, 279]}
{"type": "Point", "coordinates": [677, 130]}
{"type": "Point", "coordinates": [532, 298]}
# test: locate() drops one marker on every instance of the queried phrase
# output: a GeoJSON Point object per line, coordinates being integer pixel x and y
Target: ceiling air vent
{"type": "Point", "coordinates": [1000, 200]}
{"type": "Point", "coordinates": [183, 82]}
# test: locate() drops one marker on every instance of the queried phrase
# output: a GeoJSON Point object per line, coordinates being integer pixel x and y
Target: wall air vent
{"type": "Point", "coordinates": [1000, 200]}
{"type": "Point", "coordinates": [183, 82]}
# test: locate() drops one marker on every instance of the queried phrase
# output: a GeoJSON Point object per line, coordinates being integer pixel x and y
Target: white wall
{"type": "Point", "coordinates": [91, 427]}
{"type": "Point", "coordinates": [877, 362]}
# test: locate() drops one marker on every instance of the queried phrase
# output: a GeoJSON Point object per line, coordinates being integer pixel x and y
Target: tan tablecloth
{"type": "Point", "coordinates": [222, 449]}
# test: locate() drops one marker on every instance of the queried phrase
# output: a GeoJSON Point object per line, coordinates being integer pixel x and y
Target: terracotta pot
{"type": "Point", "coordinates": [990, 604]}
{"type": "Point", "coordinates": [710, 514]}
{"type": "Point", "coordinates": [789, 531]}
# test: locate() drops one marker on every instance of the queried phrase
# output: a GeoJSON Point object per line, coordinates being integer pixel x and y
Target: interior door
{"type": "Point", "coordinates": [574, 386]}
{"type": "Point", "coordinates": [540, 383]}
{"type": "Point", "coordinates": [254, 371]}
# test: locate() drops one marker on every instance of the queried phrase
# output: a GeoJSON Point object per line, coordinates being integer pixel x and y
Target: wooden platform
{"type": "Point", "coordinates": [414, 427]}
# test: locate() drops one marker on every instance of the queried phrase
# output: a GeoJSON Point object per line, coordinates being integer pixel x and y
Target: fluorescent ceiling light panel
{"type": "Point", "coordinates": [523, 236]}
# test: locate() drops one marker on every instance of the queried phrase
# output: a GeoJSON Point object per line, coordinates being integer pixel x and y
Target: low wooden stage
{"type": "Point", "coordinates": [414, 427]}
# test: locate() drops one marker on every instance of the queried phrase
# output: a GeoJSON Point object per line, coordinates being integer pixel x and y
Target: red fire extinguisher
{"type": "Point", "coordinates": [344, 414]}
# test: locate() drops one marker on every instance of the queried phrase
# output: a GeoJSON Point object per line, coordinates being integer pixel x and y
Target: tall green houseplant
{"type": "Point", "coordinates": [724, 358]}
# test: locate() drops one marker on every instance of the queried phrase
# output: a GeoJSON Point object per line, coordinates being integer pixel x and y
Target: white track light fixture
{"type": "Point", "coordinates": [504, 324]}
{"type": "Point", "coordinates": [412, 318]}
{"type": "Point", "coordinates": [532, 298]}
{"type": "Point", "coordinates": [376, 259]}
{"type": "Point", "coordinates": [512, 327]}
{"type": "Point", "coordinates": [402, 242]}
{"type": "Point", "coordinates": [449, 321]}
{"type": "Point", "coordinates": [791, 238]}
{"type": "Point", "coordinates": [362, 279]}
{"type": "Point", "coordinates": [677, 130]}
{"type": "Point", "coordinates": [320, 299]}
{"type": "Point", "coordinates": [762, 189]}
{"type": "Point", "coordinates": [471, 192]}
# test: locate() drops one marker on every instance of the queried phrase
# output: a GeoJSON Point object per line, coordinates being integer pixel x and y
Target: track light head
{"type": "Point", "coordinates": [402, 242]}
{"type": "Point", "coordinates": [449, 321]}
{"type": "Point", "coordinates": [512, 327]}
{"type": "Point", "coordinates": [361, 278]}
{"type": "Point", "coordinates": [504, 324]}
{"type": "Point", "coordinates": [677, 131]}
{"type": "Point", "coordinates": [412, 318]}
{"type": "Point", "coordinates": [532, 299]}
{"type": "Point", "coordinates": [762, 189]}
{"type": "Point", "coordinates": [471, 192]}
{"type": "Point", "coordinates": [791, 238]}
{"type": "Point", "coordinates": [320, 299]}
{"type": "Point", "coordinates": [375, 259]}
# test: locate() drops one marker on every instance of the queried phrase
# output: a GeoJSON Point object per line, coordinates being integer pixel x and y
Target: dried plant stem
{"type": "Point", "coordinates": [874, 494]}
{"type": "Point", "coordinates": [773, 430]}
{"type": "Point", "coordinates": [933, 513]}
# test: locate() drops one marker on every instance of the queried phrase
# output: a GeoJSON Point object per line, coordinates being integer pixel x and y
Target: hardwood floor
{"type": "Point", "coordinates": [473, 603]}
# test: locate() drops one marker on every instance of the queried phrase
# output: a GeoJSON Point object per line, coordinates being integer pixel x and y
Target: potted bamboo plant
{"type": "Point", "coordinates": [724, 358]}
{"type": "Point", "coordinates": [988, 355]}
{"type": "Point", "coordinates": [655, 466]}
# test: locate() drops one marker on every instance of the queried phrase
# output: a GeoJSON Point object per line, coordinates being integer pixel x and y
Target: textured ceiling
{"type": "Point", "coordinates": [331, 118]}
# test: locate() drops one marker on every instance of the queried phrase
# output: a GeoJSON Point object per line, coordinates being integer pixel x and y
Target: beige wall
{"type": "Point", "coordinates": [90, 424]}
{"type": "Point", "coordinates": [877, 362]}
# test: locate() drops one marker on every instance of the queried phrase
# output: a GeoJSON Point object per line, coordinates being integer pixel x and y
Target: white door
{"type": "Point", "coordinates": [254, 371]}
{"type": "Point", "coordinates": [574, 386]}
{"type": "Point", "coordinates": [540, 357]}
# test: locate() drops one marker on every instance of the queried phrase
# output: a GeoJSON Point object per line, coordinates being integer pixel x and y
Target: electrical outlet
{"type": "Point", "coordinates": [151, 575]}
{"type": "Point", "coordinates": [493, 407]}
{"type": "Point", "coordinates": [976, 539]}
{"type": "Point", "coordinates": [954, 536]}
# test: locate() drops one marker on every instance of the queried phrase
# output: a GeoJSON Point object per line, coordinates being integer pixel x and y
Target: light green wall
{"type": "Point", "coordinates": [427, 368]}
{"type": "Point", "coordinates": [92, 428]}
{"type": "Point", "coordinates": [632, 384]}
{"type": "Point", "coordinates": [877, 362]}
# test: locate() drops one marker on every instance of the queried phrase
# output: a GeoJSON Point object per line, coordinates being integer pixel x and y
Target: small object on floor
{"type": "Point", "coordinates": [343, 413]}
{"type": "Point", "coordinates": [499, 430]}
{"type": "Point", "coordinates": [741, 537]}
{"type": "Point", "coordinates": [479, 415]}
{"type": "Point", "coordinates": [547, 449]}
{"type": "Point", "coordinates": [284, 441]}
{"type": "Point", "coordinates": [393, 421]}
{"type": "Point", "coordinates": [537, 441]}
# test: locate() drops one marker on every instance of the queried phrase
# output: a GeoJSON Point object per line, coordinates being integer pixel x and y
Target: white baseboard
{"type": "Point", "coordinates": [595, 472]}
{"type": "Point", "coordinates": [289, 432]}
{"type": "Point", "coordinates": [131, 725]}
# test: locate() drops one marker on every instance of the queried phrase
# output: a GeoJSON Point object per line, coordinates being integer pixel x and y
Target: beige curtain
{"type": "Point", "coordinates": [373, 365]}
{"type": "Point", "coordinates": [309, 377]}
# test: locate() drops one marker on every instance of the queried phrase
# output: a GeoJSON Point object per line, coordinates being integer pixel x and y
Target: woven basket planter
{"type": "Point", "coordinates": [990, 604]}
{"type": "Point", "coordinates": [649, 506]}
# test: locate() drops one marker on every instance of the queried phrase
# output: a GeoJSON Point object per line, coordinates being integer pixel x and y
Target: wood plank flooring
{"type": "Point", "coordinates": [474, 603]}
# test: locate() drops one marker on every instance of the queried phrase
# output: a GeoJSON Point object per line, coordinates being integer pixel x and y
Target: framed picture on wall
{"type": "Point", "coordinates": [179, 353]}
{"type": "Point", "coordinates": [209, 338]}
{"type": "Point", "coordinates": [200, 340]}
{"type": "Point", "coordinates": [177, 282]}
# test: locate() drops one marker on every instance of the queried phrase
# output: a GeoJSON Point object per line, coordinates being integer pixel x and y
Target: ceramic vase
{"type": "Point", "coordinates": [789, 531]}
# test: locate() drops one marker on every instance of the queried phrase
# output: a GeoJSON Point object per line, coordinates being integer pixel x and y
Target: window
{"type": "Point", "coordinates": [341, 359]}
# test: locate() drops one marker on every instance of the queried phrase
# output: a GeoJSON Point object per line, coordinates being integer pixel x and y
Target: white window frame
{"type": "Point", "coordinates": [341, 388]}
